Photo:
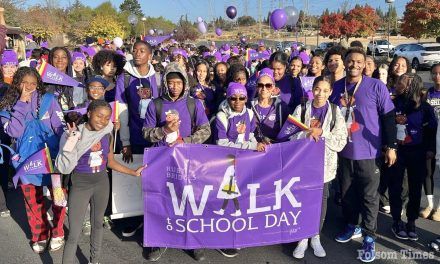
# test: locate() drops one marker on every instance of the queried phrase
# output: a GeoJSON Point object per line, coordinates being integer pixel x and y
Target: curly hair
{"type": "Point", "coordinates": [14, 92]}
{"type": "Point", "coordinates": [105, 56]}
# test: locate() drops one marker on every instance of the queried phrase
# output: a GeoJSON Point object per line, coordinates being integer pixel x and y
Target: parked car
{"type": "Point", "coordinates": [398, 48]}
{"type": "Point", "coordinates": [323, 47]}
{"type": "Point", "coordinates": [420, 55]}
{"type": "Point", "coordinates": [379, 47]}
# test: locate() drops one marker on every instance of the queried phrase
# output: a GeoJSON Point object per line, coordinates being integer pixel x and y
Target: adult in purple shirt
{"type": "Point", "coordinates": [290, 89]}
{"type": "Point", "coordinates": [21, 100]}
{"type": "Point", "coordinates": [174, 125]}
{"type": "Point", "coordinates": [369, 112]}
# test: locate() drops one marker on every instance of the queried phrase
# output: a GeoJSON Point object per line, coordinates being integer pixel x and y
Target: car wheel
{"type": "Point", "coordinates": [415, 64]}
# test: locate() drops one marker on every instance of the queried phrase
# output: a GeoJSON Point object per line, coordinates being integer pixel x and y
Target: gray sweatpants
{"type": "Point", "coordinates": [86, 188]}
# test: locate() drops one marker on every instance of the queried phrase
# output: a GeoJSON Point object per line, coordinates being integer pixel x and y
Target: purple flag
{"type": "Point", "coordinates": [156, 40]}
{"type": "Point", "coordinates": [200, 196]}
{"type": "Point", "coordinates": [35, 169]}
{"type": "Point", "coordinates": [307, 84]}
{"type": "Point", "coordinates": [52, 75]}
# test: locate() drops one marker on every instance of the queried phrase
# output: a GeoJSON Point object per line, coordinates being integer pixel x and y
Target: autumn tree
{"type": "Point", "coordinates": [331, 26]}
{"type": "Point", "coordinates": [421, 19]}
{"type": "Point", "coordinates": [41, 22]}
{"type": "Point", "coordinates": [366, 20]}
{"type": "Point", "coordinates": [185, 30]}
{"type": "Point", "coordinates": [102, 26]}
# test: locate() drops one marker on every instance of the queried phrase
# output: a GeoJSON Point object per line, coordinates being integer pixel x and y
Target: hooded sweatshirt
{"type": "Point", "coordinates": [129, 115]}
{"type": "Point", "coordinates": [197, 133]}
{"type": "Point", "coordinates": [268, 119]}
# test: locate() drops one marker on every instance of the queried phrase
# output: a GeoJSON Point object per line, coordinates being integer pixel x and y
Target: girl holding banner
{"type": "Point", "coordinates": [86, 151]}
{"type": "Point", "coordinates": [323, 120]}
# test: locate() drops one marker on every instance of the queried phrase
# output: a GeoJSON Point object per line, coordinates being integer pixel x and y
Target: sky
{"type": "Point", "coordinates": [173, 9]}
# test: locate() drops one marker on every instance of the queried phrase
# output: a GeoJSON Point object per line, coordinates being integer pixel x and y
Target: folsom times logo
{"type": "Point", "coordinates": [401, 254]}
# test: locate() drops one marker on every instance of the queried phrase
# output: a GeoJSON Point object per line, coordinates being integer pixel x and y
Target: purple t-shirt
{"type": "Point", "coordinates": [95, 159]}
{"type": "Point", "coordinates": [182, 109]}
{"type": "Point", "coordinates": [317, 116]}
{"type": "Point", "coordinates": [230, 132]}
{"type": "Point", "coordinates": [291, 92]}
{"type": "Point", "coordinates": [270, 120]}
{"type": "Point", "coordinates": [209, 101]}
{"type": "Point", "coordinates": [434, 101]}
{"type": "Point", "coordinates": [372, 100]}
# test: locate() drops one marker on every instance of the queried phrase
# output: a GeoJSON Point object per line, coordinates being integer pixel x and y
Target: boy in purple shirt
{"type": "Point", "coordinates": [368, 111]}
{"type": "Point", "coordinates": [175, 124]}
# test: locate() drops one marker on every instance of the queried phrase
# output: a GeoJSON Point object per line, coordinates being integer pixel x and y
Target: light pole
{"type": "Point", "coordinates": [389, 2]}
{"type": "Point", "coordinates": [143, 23]}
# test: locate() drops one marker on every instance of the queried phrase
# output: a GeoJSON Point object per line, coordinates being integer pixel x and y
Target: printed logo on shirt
{"type": "Point", "coordinates": [272, 117]}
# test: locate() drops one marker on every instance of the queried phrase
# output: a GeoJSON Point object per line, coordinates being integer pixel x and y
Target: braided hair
{"type": "Point", "coordinates": [13, 94]}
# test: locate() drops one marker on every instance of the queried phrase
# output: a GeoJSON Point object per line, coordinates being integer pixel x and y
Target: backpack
{"type": "Point", "coordinates": [37, 135]}
{"type": "Point", "coordinates": [190, 103]}
{"type": "Point", "coordinates": [332, 122]}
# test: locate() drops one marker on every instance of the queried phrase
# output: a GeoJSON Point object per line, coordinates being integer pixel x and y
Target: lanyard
{"type": "Point", "coordinates": [348, 99]}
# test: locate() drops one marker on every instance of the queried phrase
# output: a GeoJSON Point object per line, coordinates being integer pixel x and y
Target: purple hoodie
{"type": "Point", "coordinates": [21, 112]}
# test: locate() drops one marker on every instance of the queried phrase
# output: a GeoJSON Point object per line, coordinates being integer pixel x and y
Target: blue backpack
{"type": "Point", "coordinates": [35, 137]}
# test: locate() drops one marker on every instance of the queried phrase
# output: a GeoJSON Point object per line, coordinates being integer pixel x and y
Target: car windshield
{"type": "Point", "coordinates": [434, 48]}
{"type": "Point", "coordinates": [382, 42]}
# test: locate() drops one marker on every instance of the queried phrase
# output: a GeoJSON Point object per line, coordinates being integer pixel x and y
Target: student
{"type": "Point", "coordinates": [86, 152]}
{"type": "Point", "coordinates": [219, 82]}
{"type": "Point", "coordinates": [25, 98]}
{"type": "Point", "coordinates": [416, 127]}
{"type": "Point", "coordinates": [175, 118]}
{"type": "Point", "coordinates": [80, 72]}
{"type": "Point", "coordinates": [203, 89]}
{"type": "Point", "coordinates": [295, 66]}
{"type": "Point", "coordinates": [324, 121]}
{"type": "Point", "coordinates": [433, 99]}
{"type": "Point", "coordinates": [370, 66]}
{"type": "Point", "coordinates": [334, 62]}
{"type": "Point", "coordinates": [267, 110]}
{"type": "Point", "coordinates": [316, 66]}
{"type": "Point", "coordinates": [382, 73]}
{"type": "Point", "coordinates": [9, 63]}
{"type": "Point", "coordinates": [398, 66]}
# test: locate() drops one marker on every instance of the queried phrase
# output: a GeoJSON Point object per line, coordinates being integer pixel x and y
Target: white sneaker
{"type": "Point", "coordinates": [220, 212]}
{"type": "Point", "coordinates": [318, 250]}
{"type": "Point", "coordinates": [40, 246]}
{"type": "Point", "coordinates": [56, 243]}
{"type": "Point", "coordinates": [237, 213]}
{"type": "Point", "coordinates": [301, 249]}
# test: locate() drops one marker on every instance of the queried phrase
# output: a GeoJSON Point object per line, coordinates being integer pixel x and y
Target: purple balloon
{"type": "Point", "coordinates": [278, 19]}
{"type": "Point", "coordinates": [218, 31]}
{"type": "Point", "coordinates": [231, 12]}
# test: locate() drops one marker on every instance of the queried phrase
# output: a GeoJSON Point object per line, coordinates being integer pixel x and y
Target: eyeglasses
{"type": "Point", "coordinates": [264, 85]}
{"type": "Point", "coordinates": [235, 99]}
{"type": "Point", "coordinates": [99, 88]}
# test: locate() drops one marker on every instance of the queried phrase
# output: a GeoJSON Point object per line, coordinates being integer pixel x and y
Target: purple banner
{"type": "Point", "coordinates": [156, 40]}
{"type": "Point", "coordinates": [307, 84]}
{"type": "Point", "coordinates": [200, 196]}
{"type": "Point", "coordinates": [50, 74]}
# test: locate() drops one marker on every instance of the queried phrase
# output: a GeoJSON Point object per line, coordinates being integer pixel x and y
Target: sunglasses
{"type": "Point", "coordinates": [234, 99]}
{"type": "Point", "coordinates": [264, 85]}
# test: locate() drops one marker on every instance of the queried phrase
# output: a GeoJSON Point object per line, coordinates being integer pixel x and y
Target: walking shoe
{"type": "Point", "coordinates": [399, 230]}
{"type": "Point", "coordinates": [5, 213]}
{"type": "Point", "coordinates": [107, 223]}
{"type": "Point", "coordinates": [129, 231]}
{"type": "Point", "coordinates": [318, 250]}
{"type": "Point", "coordinates": [368, 251]}
{"type": "Point", "coordinates": [39, 246]}
{"type": "Point", "coordinates": [411, 231]}
{"type": "Point", "coordinates": [228, 252]}
{"type": "Point", "coordinates": [86, 228]}
{"type": "Point", "coordinates": [435, 216]}
{"type": "Point", "coordinates": [198, 254]}
{"type": "Point", "coordinates": [426, 212]}
{"type": "Point", "coordinates": [435, 245]}
{"type": "Point", "coordinates": [237, 213]}
{"type": "Point", "coordinates": [350, 232]}
{"type": "Point", "coordinates": [56, 243]}
{"type": "Point", "coordinates": [385, 209]}
{"type": "Point", "coordinates": [219, 212]}
{"type": "Point", "coordinates": [155, 253]}
{"type": "Point", "coordinates": [301, 248]}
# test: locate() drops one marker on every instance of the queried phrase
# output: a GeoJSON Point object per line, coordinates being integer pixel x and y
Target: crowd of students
{"type": "Point", "coordinates": [379, 124]}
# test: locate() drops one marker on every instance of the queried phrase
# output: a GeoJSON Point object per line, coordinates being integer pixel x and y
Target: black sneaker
{"type": "Point", "coordinates": [197, 254]}
{"type": "Point", "coordinates": [129, 231]}
{"type": "Point", "coordinates": [411, 231]}
{"type": "Point", "coordinates": [107, 223]}
{"type": "Point", "coordinates": [228, 252]}
{"type": "Point", "coordinates": [154, 253]}
{"type": "Point", "coordinates": [399, 230]}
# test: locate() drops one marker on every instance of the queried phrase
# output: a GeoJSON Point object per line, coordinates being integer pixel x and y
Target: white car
{"type": "Point", "coordinates": [379, 47]}
{"type": "Point", "coordinates": [420, 55]}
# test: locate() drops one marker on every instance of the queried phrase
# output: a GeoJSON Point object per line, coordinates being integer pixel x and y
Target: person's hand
{"type": "Point", "coordinates": [430, 155]}
{"type": "Point", "coordinates": [200, 95]}
{"type": "Point", "coordinates": [139, 170]}
{"type": "Point", "coordinates": [390, 157]}
{"type": "Point", "coordinates": [172, 126]}
{"type": "Point", "coordinates": [276, 91]}
{"type": "Point", "coordinates": [178, 141]}
{"type": "Point", "coordinates": [26, 95]}
{"type": "Point", "coordinates": [314, 133]}
{"type": "Point", "coordinates": [127, 156]}
{"type": "Point", "coordinates": [241, 128]}
{"type": "Point", "coordinates": [261, 147]}
{"type": "Point", "coordinates": [117, 125]}
{"type": "Point", "coordinates": [71, 128]}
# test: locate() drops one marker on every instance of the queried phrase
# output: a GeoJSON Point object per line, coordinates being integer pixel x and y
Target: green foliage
{"type": "Point", "coordinates": [246, 21]}
{"type": "Point", "coordinates": [132, 6]}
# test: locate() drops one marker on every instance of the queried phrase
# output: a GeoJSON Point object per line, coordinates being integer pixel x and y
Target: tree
{"type": "Point", "coordinates": [107, 27]}
{"type": "Point", "coordinates": [185, 30]}
{"type": "Point", "coordinates": [246, 21]}
{"type": "Point", "coordinates": [78, 18]}
{"type": "Point", "coordinates": [132, 6]}
{"type": "Point", "coordinates": [41, 22]}
{"type": "Point", "coordinates": [331, 26]}
{"type": "Point", "coordinates": [421, 19]}
{"type": "Point", "coordinates": [366, 20]}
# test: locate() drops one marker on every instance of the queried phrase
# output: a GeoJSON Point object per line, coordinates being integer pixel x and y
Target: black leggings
{"type": "Point", "coordinates": [428, 184]}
